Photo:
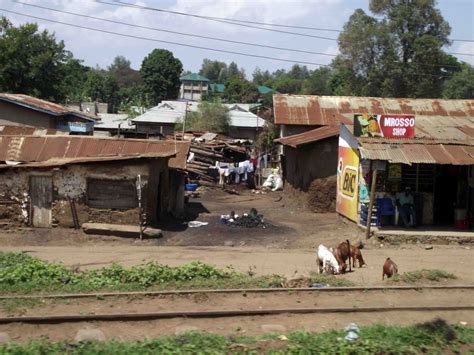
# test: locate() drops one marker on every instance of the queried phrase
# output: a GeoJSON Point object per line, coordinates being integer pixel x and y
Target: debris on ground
{"type": "Point", "coordinates": [195, 224]}
{"type": "Point", "coordinates": [248, 220]}
{"type": "Point", "coordinates": [274, 182]}
{"type": "Point", "coordinates": [352, 332]}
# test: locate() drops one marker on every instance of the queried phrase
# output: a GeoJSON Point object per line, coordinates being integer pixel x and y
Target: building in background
{"type": "Point", "coordinates": [193, 87]}
{"type": "Point", "coordinates": [24, 110]}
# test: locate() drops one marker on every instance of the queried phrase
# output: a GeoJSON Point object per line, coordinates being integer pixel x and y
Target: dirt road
{"type": "Point", "coordinates": [288, 262]}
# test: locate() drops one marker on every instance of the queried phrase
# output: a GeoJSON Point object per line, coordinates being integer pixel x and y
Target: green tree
{"type": "Point", "coordinates": [123, 73]}
{"type": "Point", "coordinates": [239, 90]}
{"type": "Point", "coordinates": [260, 77]}
{"type": "Point", "coordinates": [160, 72]}
{"type": "Point", "coordinates": [398, 53]}
{"type": "Point", "coordinates": [461, 84]}
{"type": "Point", "coordinates": [319, 82]}
{"type": "Point", "coordinates": [233, 71]}
{"type": "Point", "coordinates": [75, 75]}
{"type": "Point", "coordinates": [211, 116]}
{"type": "Point", "coordinates": [101, 86]}
{"type": "Point", "coordinates": [31, 62]}
{"type": "Point", "coordinates": [214, 70]}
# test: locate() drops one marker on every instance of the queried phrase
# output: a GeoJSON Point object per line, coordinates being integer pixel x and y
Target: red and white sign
{"type": "Point", "coordinates": [397, 126]}
{"type": "Point", "coordinates": [388, 126]}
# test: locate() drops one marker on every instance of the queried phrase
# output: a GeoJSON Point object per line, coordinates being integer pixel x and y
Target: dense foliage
{"type": "Point", "coordinates": [160, 72]}
{"type": "Point", "coordinates": [433, 337]}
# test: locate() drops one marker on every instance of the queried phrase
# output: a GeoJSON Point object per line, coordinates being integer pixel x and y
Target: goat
{"type": "Point", "coordinates": [342, 253]}
{"type": "Point", "coordinates": [389, 269]}
{"type": "Point", "coordinates": [357, 255]}
{"type": "Point", "coordinates": [326, 261]}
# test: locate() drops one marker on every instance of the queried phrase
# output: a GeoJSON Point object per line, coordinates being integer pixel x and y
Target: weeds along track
{"type": "Point", "coordinates": [219, 304]}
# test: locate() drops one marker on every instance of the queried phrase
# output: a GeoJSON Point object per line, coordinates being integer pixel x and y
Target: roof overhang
{"type": "Point", "coordinates": [309, 137]}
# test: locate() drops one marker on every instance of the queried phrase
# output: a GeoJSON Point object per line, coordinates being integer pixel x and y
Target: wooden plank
{"type": "Point", "coordinates": [41, 195]}
{"type": "Point", "coordinates": [108, 193]}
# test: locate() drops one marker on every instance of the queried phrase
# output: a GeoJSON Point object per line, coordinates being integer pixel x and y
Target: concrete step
{"type": "Point", "coordinates": [120, 230]}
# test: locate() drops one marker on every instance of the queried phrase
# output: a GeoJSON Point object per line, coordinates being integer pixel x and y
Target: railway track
{"type": "Point", "coordinates": [221, 304]}
{"type": "Point", "coordinates": [237, 291]}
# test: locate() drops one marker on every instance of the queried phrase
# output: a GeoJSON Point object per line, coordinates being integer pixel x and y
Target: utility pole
{"type": "Point", "coordinates": [184, 122]}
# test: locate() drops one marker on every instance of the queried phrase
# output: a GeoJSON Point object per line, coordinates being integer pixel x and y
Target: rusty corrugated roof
{"type": "Point", "coordinates": [418, 153]}
{"type": "Point", "coordinates": [45, 106]}
{"type": "Point", "coordinates": [325, 110]}
{"type": "Point", "coordinates": [44, 149]}
{"type": "Point", "coordinates": [309, 137]}
{"type": "Point", "coordinates": [30, 131]}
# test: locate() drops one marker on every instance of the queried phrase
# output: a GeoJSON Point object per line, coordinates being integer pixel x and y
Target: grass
{"type": "Point", "coordinates": [433, 275]}
{"type": "Point", "coordinates": [18, 306]}
{"type": "Point", "coordinates": [21, 273]}
{"type": "Point", "coordinates": [330, 280]}
{"type": "Point", "coordinates": [435, 337]}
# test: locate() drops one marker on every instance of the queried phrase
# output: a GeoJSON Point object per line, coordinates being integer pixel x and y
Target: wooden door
{"type": "Point", "coordinates": [41, 194]}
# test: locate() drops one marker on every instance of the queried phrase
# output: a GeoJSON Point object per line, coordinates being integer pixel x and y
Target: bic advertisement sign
{"type": "Point", "coordinates": [347, 182]}
{"type": "Point", "coordinates": [388, 126]}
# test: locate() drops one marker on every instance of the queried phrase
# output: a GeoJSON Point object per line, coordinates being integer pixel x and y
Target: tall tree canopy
{"type": "Point", "coordinates": [239, 90]}
{"type": "Point", "coordinates": [121, 70]}
{"type": "Point", "coordinates": [31, 62]}
{"type": "Point", "coordinates": [160, 72]}
{"type": "Point", "coordinates": [214, 70]}
{"type": "Point", "coordinates": [398, 53]}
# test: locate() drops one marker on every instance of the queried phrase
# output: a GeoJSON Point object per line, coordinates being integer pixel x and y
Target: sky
{"type": "Point", "coordinates": [99, 49]}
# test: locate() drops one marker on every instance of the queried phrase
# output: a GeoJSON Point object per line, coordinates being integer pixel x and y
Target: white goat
{"type": "Point", "coordinates": [326, 260]}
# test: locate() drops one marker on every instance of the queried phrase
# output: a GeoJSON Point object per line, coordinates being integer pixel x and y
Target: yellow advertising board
{"type": "Point", "coordinates": [347, 180]}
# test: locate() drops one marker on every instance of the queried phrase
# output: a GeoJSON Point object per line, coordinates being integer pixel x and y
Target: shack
{"type": "Point", "coordinates": [426, 145]}
{"type": "Point", "coordinates": [62, 181]}
{"type": "Point", "coordinates": [24, 110]}
{"type": "Point", "coordinates": [308, 166]}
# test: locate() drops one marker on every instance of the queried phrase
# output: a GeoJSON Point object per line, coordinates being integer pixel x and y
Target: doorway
{"type": "Point", "coordinates": [41, 195]}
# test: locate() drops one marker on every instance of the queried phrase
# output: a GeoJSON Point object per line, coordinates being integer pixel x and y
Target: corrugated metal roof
{"type": "Point", "coordinates": [30, 131]}
{"type": "Point", "coordinates": [309, 137]}
{"type": "Point", "coordinates": [174, 111]}
{"type": "Point", "coordinates": [324, 110]}
{"type": "Point", "coordinates": [419, 153]}
{"type": "Point", "coordinates": [44, 106]}
{"type": "Point", "coordinates": [33, 149]}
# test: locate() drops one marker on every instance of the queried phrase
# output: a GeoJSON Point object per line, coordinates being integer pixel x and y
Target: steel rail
{"type": "Point", "coordinates": [249, 290]}
{"type": "Point", "coordinates": [218, 314]}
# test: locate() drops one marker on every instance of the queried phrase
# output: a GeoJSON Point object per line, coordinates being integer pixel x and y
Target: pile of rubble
{"type": "Point", "coordinates": [247, 220]}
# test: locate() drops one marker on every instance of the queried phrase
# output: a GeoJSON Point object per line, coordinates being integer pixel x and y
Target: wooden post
{"type": "Point", "coordinates": [371, 203]}
{"type": "Point", "coordinates": [140, 212]}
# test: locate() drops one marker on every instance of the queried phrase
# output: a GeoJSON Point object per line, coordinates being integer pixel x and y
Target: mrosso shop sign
{"type": "Point", "coordinates": [388, 126]}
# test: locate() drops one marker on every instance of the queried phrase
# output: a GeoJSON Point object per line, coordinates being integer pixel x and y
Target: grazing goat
{"type": "Point", "coordinates": [389, 269]}
{"type": "Point", "coordinates": [357, 255]}
{"type": "Point", "coordinates": [342, 253]}
{"type": "Point", "coordinates": [326, 261]}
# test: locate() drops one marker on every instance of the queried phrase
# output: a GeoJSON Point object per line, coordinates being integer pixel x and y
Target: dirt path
{"type": "Point", "coordinates": [288, 262]}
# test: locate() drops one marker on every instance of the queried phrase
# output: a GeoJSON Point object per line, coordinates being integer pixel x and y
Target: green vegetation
{"type": "Point", "coordinates": [434, 337]}
{"type": "Point", "coordinates": [210, 117]}
{"type": "Point", "coordinates": [424, 275]}
{"type": "Point", "coordinates": [330, 280]}
{"type": "Point", "coordinates": [21, 273]}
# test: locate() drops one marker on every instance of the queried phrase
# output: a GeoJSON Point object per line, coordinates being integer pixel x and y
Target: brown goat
{"type": "Point", "coordinates": [389, 269]}
{"type": "Point", "coordinates": [342, 253]}
{"type": "Point", "coordinates": [357, 255]}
